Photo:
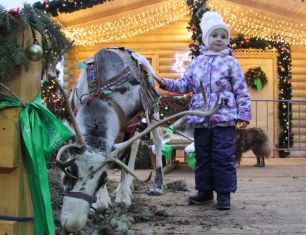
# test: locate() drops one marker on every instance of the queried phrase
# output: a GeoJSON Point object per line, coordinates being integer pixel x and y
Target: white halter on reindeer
{"type": "Point", "coordinates": [101, 110]}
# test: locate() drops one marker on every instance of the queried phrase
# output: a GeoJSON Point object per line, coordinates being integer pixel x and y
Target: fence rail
{"type": "Point", "coordinates": [266, 115]}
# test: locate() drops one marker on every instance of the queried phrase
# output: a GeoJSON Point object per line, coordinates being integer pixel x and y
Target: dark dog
{"type": "Point", "coordinates": [254, 139]}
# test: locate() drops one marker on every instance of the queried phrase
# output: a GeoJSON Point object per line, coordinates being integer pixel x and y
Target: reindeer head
{"type": "Point", "coordinates": [87, 161]}
{"type": "Point", "coordinates": [80, 187]}
{"type": "Point", "coordinates": [85, 174]}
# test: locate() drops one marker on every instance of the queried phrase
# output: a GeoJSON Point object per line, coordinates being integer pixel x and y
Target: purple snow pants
{"type": "Point", "coordinates": [215, 159]}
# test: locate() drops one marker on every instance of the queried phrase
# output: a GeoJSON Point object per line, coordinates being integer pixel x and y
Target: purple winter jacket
{"type": "Point", "coordinates": [220, 74]}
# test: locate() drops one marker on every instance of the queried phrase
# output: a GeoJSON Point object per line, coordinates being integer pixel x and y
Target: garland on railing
{"type": "Point", "coordinates": [66, 6]}
{"type": "Point", "coordinates": [285, 137]}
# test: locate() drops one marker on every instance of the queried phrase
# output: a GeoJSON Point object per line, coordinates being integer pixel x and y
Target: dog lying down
{"type": "Point", "coordinates": [254, 139]}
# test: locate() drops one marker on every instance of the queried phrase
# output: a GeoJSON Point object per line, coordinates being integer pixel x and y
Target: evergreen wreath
{"type": "Point", "coordinates": [256, 78]}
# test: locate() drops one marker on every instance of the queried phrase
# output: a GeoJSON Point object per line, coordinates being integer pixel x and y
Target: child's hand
{"type": "Point", "coordinates": [159, 81]}
{"type": "Point", "coordinates": [242, 124]}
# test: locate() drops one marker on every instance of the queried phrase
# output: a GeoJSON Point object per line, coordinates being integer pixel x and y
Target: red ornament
{"type": "Point", "coordinates": [46, 2]}
{"type": "Point", "coordinates": [247, 41]}
{"type": "Point", "coordinates": [291, 134]}
{"type": "Point", "coordinates": [289, 81]}
{"type": "Point", "coordinates": [194, 28]}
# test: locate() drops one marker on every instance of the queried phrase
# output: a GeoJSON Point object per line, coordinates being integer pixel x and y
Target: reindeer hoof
{"type": "Point", "coordinates": [155, 191]}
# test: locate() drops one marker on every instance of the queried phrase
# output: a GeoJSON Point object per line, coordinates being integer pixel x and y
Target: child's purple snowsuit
{"type": "Point", "coordinates": [215, 140]}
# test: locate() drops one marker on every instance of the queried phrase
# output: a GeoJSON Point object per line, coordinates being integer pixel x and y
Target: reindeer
{"type": "Point", "coordinates": [97, 125]}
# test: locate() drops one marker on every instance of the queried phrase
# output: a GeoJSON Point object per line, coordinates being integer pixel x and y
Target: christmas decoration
{"type": "Point", "coordinates": [12, 55]}
{"type": "Point", "coordinates": [197, 8]}
{"type": "Point", "coordinates": [261, 25]}
{"type": "Point", "coordinates": [63, 6]}
{"type": "Point", "coordinates": [256, 78]}
{"type": "Point", "coordinates": [169, 105]}
{"type": "Point", "coordinates": [129, 24]}
{"type": "Point", "coordinates": [284, 70]}
{"type": "Point", "coordinates": [54, 100]}
{"type": "Point", "coordinates": [35, 52]}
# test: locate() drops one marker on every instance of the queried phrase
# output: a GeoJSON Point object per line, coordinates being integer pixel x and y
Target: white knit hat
{"type": "Point", "coordinates": [211, 21]}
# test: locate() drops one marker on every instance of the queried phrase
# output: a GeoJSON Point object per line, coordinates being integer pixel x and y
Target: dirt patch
{"type": "Point", "coordinates": [118, 219]}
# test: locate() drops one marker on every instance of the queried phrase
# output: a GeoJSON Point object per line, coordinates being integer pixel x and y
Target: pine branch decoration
{"type": "Point", "coordinates": [12, 54]}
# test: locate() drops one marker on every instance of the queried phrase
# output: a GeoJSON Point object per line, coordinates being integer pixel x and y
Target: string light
{"type": "Point", "coordinates": [131, 24]}
{"type": "Point", "coordinates": [251, 23]}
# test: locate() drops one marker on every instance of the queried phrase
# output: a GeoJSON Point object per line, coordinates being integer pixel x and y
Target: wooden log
{"type": "Point", "coordinates": [298, 63]}
{"type": "Point", "coordinates": [299, 70]}
{"type": "Point", "coordinates": [298, 55]}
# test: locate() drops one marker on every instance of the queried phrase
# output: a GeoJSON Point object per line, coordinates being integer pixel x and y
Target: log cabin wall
{"type": "Point", "coordinates": [165, 42]}
{"type": "Point", "coordinates": [298, 55]}
{"type": "Point", "coordinates": [174, 38]}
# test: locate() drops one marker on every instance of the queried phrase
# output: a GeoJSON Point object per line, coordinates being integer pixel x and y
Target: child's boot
{"type": "Point", "coordinates": [223, 201]}
{"type": "Point", "coordinates": [202, 197]}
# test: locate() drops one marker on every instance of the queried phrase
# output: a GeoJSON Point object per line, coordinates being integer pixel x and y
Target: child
{"type": "Point", "coordinates": [214, 136]}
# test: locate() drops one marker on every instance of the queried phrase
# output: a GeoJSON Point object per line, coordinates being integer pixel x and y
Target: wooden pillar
{"type": "Point", "coordinates": [15, 198]}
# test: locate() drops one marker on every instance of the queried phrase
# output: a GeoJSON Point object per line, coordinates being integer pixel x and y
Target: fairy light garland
{"type": "Point", "coordinates": [253, 24]}
{"type": "Point", "coordinates": [129, 25]}
{"type": "Point", "coordinates": [56, 7]}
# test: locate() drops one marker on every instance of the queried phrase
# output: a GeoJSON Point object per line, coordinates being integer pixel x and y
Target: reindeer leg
{"type": "Point", "coordinates": [124, 190]}
{"type": "Point", "coordinates": [157, 187]}
{"type": "Point", "coordinates": [103, 199]}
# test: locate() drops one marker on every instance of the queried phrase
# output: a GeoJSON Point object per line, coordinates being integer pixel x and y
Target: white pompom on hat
{"type": "Point", "coordinates": [211, 21]}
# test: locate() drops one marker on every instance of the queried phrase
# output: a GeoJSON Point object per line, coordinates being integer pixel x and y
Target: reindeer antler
{"type": "Point", "coordinates": [80, 143]}
{"type": "Point", "coordinates": [125, 167]}
{"type": "Point", "coordinates": [113, 155]}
